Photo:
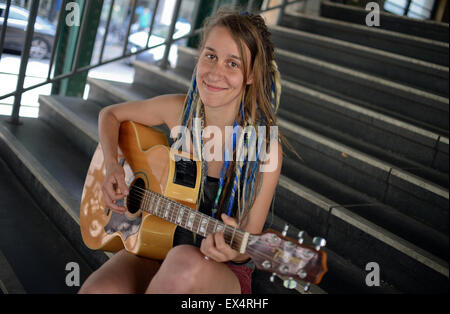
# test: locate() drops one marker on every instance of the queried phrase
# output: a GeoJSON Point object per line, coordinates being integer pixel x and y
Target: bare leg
{"type": "Point", "coordinates": [185, 270]}
{"type": "Point", "coordinates": [123, 273]}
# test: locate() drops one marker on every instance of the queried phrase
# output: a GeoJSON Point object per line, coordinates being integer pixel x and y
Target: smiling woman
{"type": "Point", "coordinates": [235, 84]}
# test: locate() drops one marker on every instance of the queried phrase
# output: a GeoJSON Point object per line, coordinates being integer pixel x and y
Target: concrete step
{"type": "Point", "coordinates": [369, 208]}
{"type": "Point", "coordinates": [377, 178]}
{"type": "Point", "coordinates": [9, 283]}
{"type": "Point", "coordinates": [34, 253]}
{"type": "Point", "coordinates": [82, 129]}
{"type": "Point", "coordinates": [54, 172]}
{"type": "Point", "coordinates": [406, 45]}
{"type": "Point", "coordinates": [366, 147]}
{"type": "Point", "coordinates": [412, 195]}
{"type": "Point", "coordinates": [386, 97]}
{"type": "Point", "coordinates": [403, 102]}
{"type": "Point", "coordinates": [317, 226]}
{"type": "Point", "coordinates": [398, 68]}
{"type": "Point", "coordinates": [411, 26]}
{"type": "Point", "coordinates": [347, 277]}
{"type": "Point", "coordinates": [405, 140]}
{"type": "Point", "coordinates": [427, 148]}
{"type": "Point", "coordinates": [112, 94]}
{"type": "Point", "coordinates": [403, 265]}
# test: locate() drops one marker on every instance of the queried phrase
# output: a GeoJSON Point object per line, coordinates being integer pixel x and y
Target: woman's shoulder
{"type": "Point", "coordinates": [163, 109]}
{"type": "Point", "coordinates": [168, 108]}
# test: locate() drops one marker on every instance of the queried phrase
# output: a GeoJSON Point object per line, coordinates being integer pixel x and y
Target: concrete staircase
{"type": "Point", "coordinates": [367, 110]}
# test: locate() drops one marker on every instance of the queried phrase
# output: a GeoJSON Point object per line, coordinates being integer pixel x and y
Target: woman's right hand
{"type": "Point", "coordinates": [114, 187]}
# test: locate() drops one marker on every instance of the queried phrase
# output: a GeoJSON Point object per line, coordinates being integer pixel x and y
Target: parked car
{"type": "Point", "coordinates": [44, 32]}
{"type": "Point", "coordinates": [159, 35]}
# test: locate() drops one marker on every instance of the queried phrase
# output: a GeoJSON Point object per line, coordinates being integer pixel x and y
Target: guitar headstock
{"type": "Point", "coordinates": [274, 252]}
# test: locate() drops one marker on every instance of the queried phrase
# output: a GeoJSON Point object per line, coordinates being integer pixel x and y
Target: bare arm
{"type": "Point", "coordinates": [164, 109]}
{"type": "Point", "coordinates": [214, 245]}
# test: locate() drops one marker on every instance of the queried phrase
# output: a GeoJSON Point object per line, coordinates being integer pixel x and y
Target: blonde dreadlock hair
{"type": "Point", "coordinates": [240, 178]}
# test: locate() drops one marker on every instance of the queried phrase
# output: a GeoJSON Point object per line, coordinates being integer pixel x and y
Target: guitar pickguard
{"type": "Point", "coordinates": [125, 225]}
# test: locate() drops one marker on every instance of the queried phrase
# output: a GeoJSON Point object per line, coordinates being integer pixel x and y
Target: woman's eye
{"type": "Point", "coordinates": [210, 56]}
{"type": "Point", "coordinates": [234, 64]}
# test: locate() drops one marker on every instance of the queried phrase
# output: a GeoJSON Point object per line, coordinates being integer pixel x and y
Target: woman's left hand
{"type": "Point", "coordinates": [215, 247]}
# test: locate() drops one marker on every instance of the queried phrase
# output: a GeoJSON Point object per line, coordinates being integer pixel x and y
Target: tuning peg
{"type": "Point", "coordinates": [306, 287]}
{"type": "Point", "coordinates": [286, 227]}
{"type": "Point", "coordinates": [272, 278]}
{"type": "Point", "coordinates": [300, 236]}
{"type": "Point", "coordinates": [319, 242]}
{"type": "Point", "coordinates": [290, 283]}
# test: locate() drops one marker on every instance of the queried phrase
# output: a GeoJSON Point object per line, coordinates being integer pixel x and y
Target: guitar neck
{"type": "Point", "coordinates": [187, 218]}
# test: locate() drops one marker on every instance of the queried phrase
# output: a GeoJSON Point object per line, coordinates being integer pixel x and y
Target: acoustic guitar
{"type": "Point", "coordinates": [163, 190]}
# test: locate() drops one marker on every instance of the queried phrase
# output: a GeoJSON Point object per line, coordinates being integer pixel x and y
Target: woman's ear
{"type": "Point", "coordinates": [250, 78]}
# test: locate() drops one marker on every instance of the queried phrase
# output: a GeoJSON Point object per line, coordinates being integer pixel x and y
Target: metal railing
{"type": "Point", "coordinates": [125, 54]}
{"type": "Point", "coordinates": [408, 7]}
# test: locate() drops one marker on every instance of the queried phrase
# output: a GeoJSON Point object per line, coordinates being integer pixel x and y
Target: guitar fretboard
{"type": "Point", "coordinates": [199, 223]}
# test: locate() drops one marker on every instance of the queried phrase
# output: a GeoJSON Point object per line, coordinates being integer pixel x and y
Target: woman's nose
{"type": "Point", "coordinates": [216, 71]}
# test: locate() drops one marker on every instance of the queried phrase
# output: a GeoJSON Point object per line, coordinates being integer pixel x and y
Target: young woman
{"type": "Point", "coordinates": [235, 83]}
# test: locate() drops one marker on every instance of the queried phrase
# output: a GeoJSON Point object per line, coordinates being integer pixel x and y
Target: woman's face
{"type": "Point", "coordinates": [220, 71]}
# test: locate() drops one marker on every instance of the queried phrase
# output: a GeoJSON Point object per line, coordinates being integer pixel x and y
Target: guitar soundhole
{"type": "Point", "coordinates": [134, 200]}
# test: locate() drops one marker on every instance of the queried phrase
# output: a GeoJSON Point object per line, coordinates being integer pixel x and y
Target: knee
{"type": "Point", "coordinates": [100, 286]}
{"type": "Point", "coordinates": [179, 271]}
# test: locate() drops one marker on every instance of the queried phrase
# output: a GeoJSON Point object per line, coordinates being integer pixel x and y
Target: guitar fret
{"type": "Point", "coordinates": [166, 213]}
{"type": "Point", "coordinates": [157, 207]}
{"type": "Point", "coordinates": [207, 225]}
{"type": "Point", "coordinates": [196, 223]}
{"type": "Point", "coordinates": [146, 201]}
{"type": "Point", "coordinates": [199, 223]}
{"type": "Point", "coordinates": [232, 237]}
{"type": "Point", "coordinates": [202, 225]}
{"type": "Point", "coordinates": [160, 206]}
{"type": "Point", "coordinates": [210, 228]}
{"type": "Point", "coordinates": [173, 213]}
{"type": "Point", "coordinates": [152, 200]}
{"type": "Point", "coordinates": [180, 215]}
{"type": "Point", "coordinates": [190, 222]}
{"type": "Point", "coordinates": [225, 233]}
{"type": "Point", "coordinates": [185, 219]}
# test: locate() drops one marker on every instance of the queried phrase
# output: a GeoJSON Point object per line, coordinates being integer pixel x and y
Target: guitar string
{"type": "Point", "coordinates": [166, 201]}
{"type": "Point", "coordinates": [175, 215]}
{"type": "Point", "coordinates": [255, 252]}
{"type": "Point", "coordinates": [146, 199]}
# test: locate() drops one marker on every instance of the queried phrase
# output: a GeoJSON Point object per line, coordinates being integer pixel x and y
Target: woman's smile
{"type": "Point", "coordinates": [213, 88]}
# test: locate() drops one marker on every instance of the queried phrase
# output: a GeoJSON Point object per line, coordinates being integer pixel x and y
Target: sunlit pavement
{"type": "Point", "coordinates": [37, 71]}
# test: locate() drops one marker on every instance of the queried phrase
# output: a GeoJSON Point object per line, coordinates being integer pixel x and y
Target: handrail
{"type": "Point", "coordinates": [77, 70]}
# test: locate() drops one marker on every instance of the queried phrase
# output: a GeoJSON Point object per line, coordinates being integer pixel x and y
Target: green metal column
{"type": "Point", "coordinates": [66, 46]}
{"type": "Point", "coordinates": [206, 8]}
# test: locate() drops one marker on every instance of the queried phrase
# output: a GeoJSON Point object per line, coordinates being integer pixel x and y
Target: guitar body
{"type": "Point", "coordinates": [149, 164]}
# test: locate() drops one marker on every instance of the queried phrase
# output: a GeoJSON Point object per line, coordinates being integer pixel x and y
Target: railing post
{"type": "Point", "coordinates": [408, 5]}
{"type": "Point", "coordinates": [5, 24]}
{"type": "Point", "coordinates": [67, 46]}
{"type": "Point", "coordinates": [282, 10]}
{"type": "Point", "coordinates": [165, 59]}
{"type": "Point", "coordinates": [24, 61]}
